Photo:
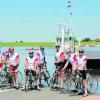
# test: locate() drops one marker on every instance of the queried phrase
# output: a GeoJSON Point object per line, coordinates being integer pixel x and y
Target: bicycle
{"type": "Point", "coordinates": [54, 80]}
{"type": "Point", "coordinates": [74, 82]}
{"type": "Point", "coordinates": [44, 75]}
{"type": "Point", "coordinates": [6, 78]}
{"type": "Point", "coordinates": [30, 80]}
{"type": "Point", "coordinates": [92, 83]}
{"type": "Point", "coordinates": [68, 80]}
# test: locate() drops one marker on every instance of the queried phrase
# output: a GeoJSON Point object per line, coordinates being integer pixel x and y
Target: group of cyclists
{"type": "Point", "coordinates": [34, 62]}
{"type": "Point", "coordinates": [11, 59]}
{"type": "Point", "coordinates": [78, 62]}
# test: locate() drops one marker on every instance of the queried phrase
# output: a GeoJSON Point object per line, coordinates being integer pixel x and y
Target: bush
{"type": "Point", "coordinates": [86, 40]}
{"type": "Point", "coordinates": [21, 41]}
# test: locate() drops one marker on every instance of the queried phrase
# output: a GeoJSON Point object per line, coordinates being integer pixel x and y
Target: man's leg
{"type": "Point", "coordinates": [79, 82]}
{"type": "Point", "coordinates": [16, 79]}
{"type": "Point", "coordinates": [26, 78]}
{"type": "Point", "coordinates": [13, 79]}
{"type": "Point", "coordinates": [85, 82]}
{"type": "Point", "coordinates": [37, 80]}
{"type": "Point", "coordinates": [62, 79]}
{"type": "Point", "coordinates": [12, 75]}
{"type": "Point", "coordinates": [78, 87]}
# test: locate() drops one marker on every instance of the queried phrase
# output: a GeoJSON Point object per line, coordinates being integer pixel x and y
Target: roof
{"type": "Point", "coordinates": [93, 54]}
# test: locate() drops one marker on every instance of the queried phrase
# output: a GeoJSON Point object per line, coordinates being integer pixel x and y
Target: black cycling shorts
{"type": "Point", "coordinates": [28, 71]}
{"type": "Point", "coordinates": [60, 65]}
{"type": "Point", "coordinates": [83, 74]}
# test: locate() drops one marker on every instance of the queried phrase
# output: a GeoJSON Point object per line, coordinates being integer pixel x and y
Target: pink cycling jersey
{"type": "Point", "coordinates": [81, 62]}
{"type": "Point", "coordinates": [31, 63]}
{"type": "Point", "coordinates": [59, 56]}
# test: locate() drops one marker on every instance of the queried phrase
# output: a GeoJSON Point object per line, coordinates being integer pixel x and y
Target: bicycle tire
{"type": "Point", "coordinates": [30, 82]}
{"type": "Point", "coordinates": [92, 83]}
{"type": "Point", "coordinates": [53, 81]}
{"type": "Point", "coordinates": [47, 74]}
{"type": "Point", "coordinates": [69, 85]}
{"type": "Point", "coordinates": [1, 81]}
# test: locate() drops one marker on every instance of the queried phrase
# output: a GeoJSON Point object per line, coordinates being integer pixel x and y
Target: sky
{"type": "Point", "coordinates": [37, 20]}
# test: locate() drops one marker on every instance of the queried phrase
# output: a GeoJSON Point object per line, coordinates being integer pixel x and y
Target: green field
{"type": "Point", "coordinates": [23, 44]}
{"type": "Point", "coordinates": [47, 44]}
{"type": "Point", "coordinates": [90, 43]}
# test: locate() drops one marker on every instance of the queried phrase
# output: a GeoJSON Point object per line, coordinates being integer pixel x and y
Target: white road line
{"type": "Point", "coordinates": [1, 91]}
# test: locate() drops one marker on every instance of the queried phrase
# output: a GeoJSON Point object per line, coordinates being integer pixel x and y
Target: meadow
{"type": "Point", "coordinates": [46, 44]}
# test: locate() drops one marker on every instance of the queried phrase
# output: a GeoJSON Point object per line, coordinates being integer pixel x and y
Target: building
{"type": "Point", "coordinates": [69, 39]}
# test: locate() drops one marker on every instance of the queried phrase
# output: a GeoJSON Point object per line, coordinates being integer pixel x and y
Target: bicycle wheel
{"type": "Point", "coordinates": [47, 74]}
{"type": "Point", "coordinates": [30, 84]}
{"type": "Point", "coordinates": [92, 83]}
{"type": "Point", "coordinates": [53, 82]}
{"type": "Point", "coordinates": [20, 78]}
{"type": "Point", "coordinates": [4, 80]}
{"type": "Point", "coordinates": [5, 77]}
{"type": "Point", "coordinates": [69, 85]}
{"type": "Point", "coordinates": [1, 81]}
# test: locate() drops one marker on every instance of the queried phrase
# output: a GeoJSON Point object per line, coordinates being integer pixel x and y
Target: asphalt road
{"type": "Point", "coordinates": [44, 94]}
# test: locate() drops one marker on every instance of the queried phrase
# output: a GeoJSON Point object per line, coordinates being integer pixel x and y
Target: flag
{"type": "Point", "coordinates": [69, 2]}
{"type": "Point", "coordinates": [69, 6]}
{"type": "Point", "coordinates": [70, 13]}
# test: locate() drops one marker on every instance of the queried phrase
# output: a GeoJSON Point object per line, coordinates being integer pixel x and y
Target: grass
{"type": "Point", "coordinates": [47, 44]}
{"type": "Point", "coordinates": [23, 44]}
{"type": "Point", "coordinates": [90, 43]}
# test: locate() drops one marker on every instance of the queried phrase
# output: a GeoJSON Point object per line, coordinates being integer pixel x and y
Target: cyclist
{"type": "Point", "coordinates": [59, 63]}
{"type": "Point", "coordinates": [14, 63]}
{"type": "Point", "coordinates": [31, 63]}
{"type": "Point", "coordinates": [70, 60]}
{"type": "Point", "coordinates": [81, 61]}
{"type": "Point", "coordinates": [1, 62]}
{"type": "Point", "coordinates": [42, 62]}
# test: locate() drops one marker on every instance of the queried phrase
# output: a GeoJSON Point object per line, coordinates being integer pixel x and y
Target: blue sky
{"type": "Point", "coordinates": [37, 20]}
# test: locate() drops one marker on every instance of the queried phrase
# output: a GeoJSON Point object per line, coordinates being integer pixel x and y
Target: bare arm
{"type": "Point", "coordinates": [17, 60]}
{"type": "Point", "coordinates": [26, 64]}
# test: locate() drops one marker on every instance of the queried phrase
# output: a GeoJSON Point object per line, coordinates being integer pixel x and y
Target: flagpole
{"type": "Point", "coordinates": [62, 45]}
{"type": "Point", "coordinates": [69, 6]}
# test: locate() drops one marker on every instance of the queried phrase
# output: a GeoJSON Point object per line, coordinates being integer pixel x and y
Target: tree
{"type": "Point", "coordinates": [21, 41]}
{"type": "Point", "coordinates": [86, 39]}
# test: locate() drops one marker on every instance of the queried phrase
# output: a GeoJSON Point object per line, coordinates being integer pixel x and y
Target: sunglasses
{"type": "Point", "coordinates": [42, 48]}
{"type": "Point", "coordinates": [57, 47]}
{"type": "Point", "coordinates": [30, 53]}
{"type": "Point", "coordinates": [81, 51]}
{"type": "Point", "coordinates": [10, 51]}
